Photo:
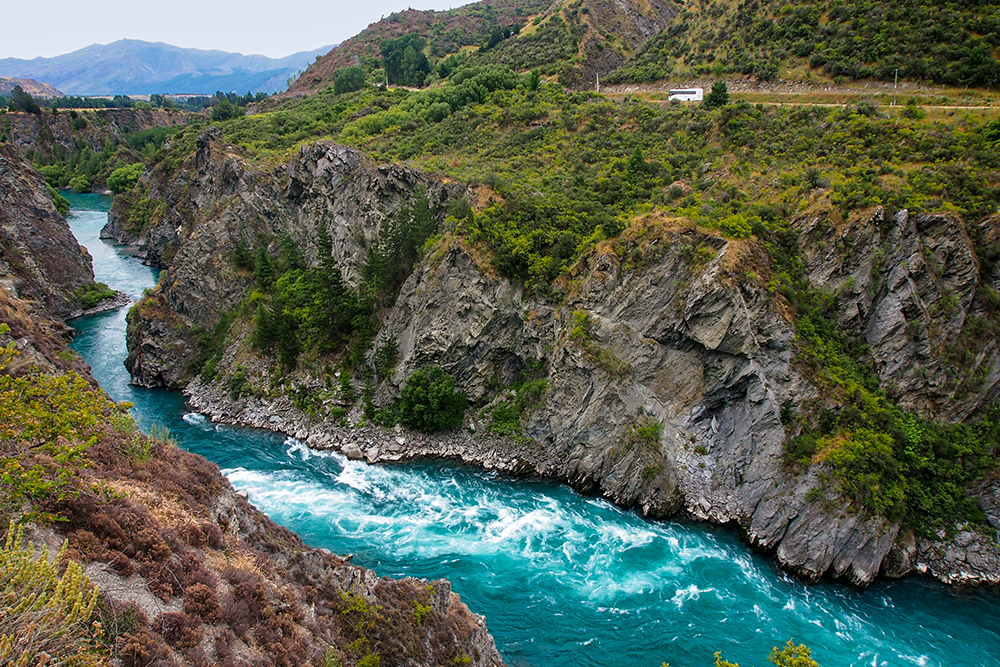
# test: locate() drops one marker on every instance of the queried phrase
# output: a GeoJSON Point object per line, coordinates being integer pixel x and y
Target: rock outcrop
{"type": "Point", "coordinates": [669, 330]}
{"type": "Point", "coordinates": [324, 184]}
{"type": "Point", "coordinates": [41, 260]}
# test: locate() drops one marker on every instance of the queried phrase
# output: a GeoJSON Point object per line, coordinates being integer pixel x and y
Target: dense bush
{"type": "Point", "coordinates": [949, 43]}
{"type": "Point", "coordinates": [80, 184]}
{"type": "Point", "coordinates": [226, 110]}
{"type": "Point", "coordinates": [125, 178]}
{"type": "Point", "coordinates": [429, 401]}
{"type": "Point", "coordinates": [92, 294]}
{"type": "Point", "coordinates": [348, 80]}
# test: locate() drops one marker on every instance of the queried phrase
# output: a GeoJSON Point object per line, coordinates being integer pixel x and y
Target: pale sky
{"type": "Point", "coordinates": [275, 29]}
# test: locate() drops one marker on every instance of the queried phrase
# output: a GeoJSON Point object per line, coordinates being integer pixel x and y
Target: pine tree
{"type": "Point", "coordinates": [718, 97]}
{"type": "Point", "coordinates": [263, 270]}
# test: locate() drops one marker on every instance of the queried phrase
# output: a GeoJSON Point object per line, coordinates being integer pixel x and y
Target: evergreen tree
{"type": "Point", "coordinates": [286, 331]}
{"type": "Point", "coordinates": [22, 101]}
{"type": "Point", "coordinates": [348, 80]}
{"type": "Point", "coordinates": [718, 97]}
{"type": "Point", "coordinates": [404, 61]}
{"type": "Point", "coordinates": [263, 269]}
{"type": "Point", "coordinates": [265, 333]}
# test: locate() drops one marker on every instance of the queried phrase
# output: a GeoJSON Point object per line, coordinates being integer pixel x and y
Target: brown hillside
{"type": "Point", "coordinates": [446, 32]}
{"type": "Point", "coordinates": [30, 86]}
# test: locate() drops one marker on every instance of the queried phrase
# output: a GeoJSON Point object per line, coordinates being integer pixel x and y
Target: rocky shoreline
{"type": "Point", "coordinates": [968, 558]}
{"type": "Point", "coordinates": [119, 300]}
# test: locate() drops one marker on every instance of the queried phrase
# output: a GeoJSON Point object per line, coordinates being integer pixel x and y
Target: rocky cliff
{"type": "Point", "coordinates": [665, 370]}
{"type": "Point", "coordinates": [41, 260]}
{"type": "Point", "coordinates": [50, 136]}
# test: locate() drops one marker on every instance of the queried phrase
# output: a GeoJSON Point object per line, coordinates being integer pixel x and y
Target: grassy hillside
{"type": "Point", "coordinates": [639, 41]}
{"type": "Point", "coordinates": [445, 33]}
{"type": "Point", "coordinates": [948, 43]}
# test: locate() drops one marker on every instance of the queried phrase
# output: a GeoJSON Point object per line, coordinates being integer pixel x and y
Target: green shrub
{"type": "Point", "coordinates": [44, 615]}
{"type": "Point", "coordinates": [53, 174]}
{"type": "Point", "coordinates": [60, 202]}
{"type": "Point", "coordinates": [736, 226]}
{"type": "Point", "coordinates": [46, 425]}
{"type": "Point", "coordinates": [80, 184]}
{"type": "Point", "coordinates": [429, 401]}
{"type": "Point", "coordinates": [92, 294]}
{"type": "Point", "coordinates": [226, 110]}
{"type": "Point", "coordinates": [125, 178]}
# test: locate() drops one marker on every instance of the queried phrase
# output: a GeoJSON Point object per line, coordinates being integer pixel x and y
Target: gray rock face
{"type": "Point", "coordinates": [909, 286]}
{"type": "Point", "coordinates": [324, 184]}
{"type": "Point", "coordinates": [40, 259]}
{"type": "Point", "coordinates": [161, 345]}
{"type": "Point", "coordinates": [699, 347]}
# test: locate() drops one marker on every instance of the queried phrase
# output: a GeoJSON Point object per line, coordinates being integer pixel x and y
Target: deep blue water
{"type": "Point", "coordinates": [563, 579]}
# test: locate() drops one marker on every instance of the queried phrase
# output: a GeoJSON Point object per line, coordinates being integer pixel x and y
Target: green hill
{"type": "Point", "coordinates": [640, 41]}
{"type": "Point", "coordinates": [950, 43]}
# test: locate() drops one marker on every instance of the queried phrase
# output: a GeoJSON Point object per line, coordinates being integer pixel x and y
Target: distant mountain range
{"type": "Point", "coordinates": [135, 67]}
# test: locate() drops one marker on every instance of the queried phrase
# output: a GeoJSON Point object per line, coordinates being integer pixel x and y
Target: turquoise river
{"type": "Point", "coordinates": [563, 579]}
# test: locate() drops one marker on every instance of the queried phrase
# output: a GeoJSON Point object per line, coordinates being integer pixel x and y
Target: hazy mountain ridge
{"type": "Point", "coordinates": [135, 67]}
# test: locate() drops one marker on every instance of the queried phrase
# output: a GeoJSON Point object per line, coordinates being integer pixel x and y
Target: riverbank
{"type": "Point", "coordinates": [966, 558]}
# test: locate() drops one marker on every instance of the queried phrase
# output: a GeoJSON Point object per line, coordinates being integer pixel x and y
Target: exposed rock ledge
{"type": "Point", "coordinates": [119, 300]}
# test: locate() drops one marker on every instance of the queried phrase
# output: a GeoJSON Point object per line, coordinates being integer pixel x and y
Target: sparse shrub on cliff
{"type": "Point", "coordinates": [506, 416]}
{"type": "Point", "coordinates": [44, 615]}
{"type": "Point", "coordinates": [581, 334]}
{"type": "Point", "coordinates": [429, 401]}
{"type": "Point", "coordinates": [60, 202]}
{"type": "Point", "coordinates": [385, 357]}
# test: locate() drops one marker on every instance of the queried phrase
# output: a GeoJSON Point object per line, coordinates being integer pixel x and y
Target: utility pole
{"type": "Point", "coordinates": [895, 83]}
{"type": "Point", "coordinates": [598, 82]}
